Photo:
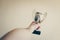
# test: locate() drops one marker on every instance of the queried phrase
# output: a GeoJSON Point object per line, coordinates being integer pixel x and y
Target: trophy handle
{"type": "Point", "coordinates": [43, 17]}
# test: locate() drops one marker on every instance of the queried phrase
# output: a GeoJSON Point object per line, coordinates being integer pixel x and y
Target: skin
{"type": "Point", "coordinates": [21, 34]}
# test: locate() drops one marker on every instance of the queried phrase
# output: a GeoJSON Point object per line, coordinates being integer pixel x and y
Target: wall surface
{"type": "Point", "coordinates": [18, 14]}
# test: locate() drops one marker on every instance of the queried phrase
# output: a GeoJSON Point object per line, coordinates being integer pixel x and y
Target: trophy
{"type": "Point", "coordinates": [37, 20]}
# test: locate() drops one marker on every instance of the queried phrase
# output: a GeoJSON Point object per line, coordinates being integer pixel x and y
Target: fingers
{"type": "Point", "coordinates": [33, 23]}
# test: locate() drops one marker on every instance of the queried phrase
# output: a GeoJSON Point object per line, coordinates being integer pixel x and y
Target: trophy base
{"type": "Point", "coordinates": [36, 32]}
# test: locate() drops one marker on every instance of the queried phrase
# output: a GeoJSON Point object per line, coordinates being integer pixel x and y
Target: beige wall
{"type": "Point", "coordinates": [18, 13]}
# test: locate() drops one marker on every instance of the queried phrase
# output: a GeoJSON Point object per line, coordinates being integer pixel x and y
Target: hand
{"type": "Point", "coordinates": [33, 23]}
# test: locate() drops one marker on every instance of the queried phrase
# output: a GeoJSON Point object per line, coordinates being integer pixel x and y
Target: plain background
{"type": "Point", "coordinates": [18, 14]}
